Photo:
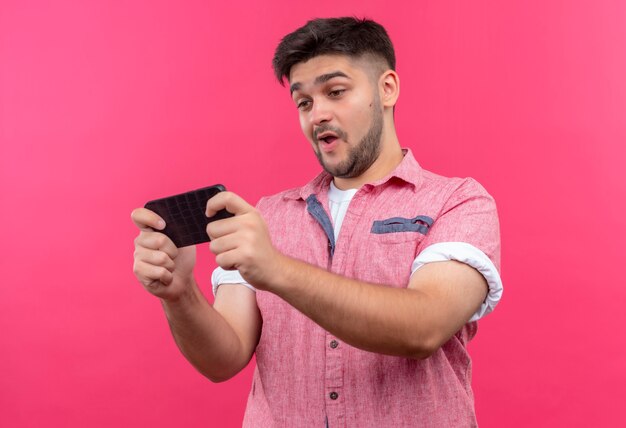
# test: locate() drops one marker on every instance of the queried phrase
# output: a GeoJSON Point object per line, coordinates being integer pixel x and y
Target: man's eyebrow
{"type": "Point", "coordinates": [326, 77]}
{"type": "Point", "coordinates": [320, 79]}
{"type": "Point", "coordinates": [294, 87]}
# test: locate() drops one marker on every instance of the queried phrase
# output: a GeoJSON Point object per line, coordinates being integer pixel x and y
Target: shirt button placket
{"type": "Point", "coordinates": [334, 382]}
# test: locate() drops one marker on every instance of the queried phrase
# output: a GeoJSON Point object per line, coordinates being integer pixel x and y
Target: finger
{"type": "Point", "coordinates": [147, 273]}
{"type": "Point", "coordinates": [223, 244]}
{"type": "Point", "coordinates": [230, 201]}
{"type": "Point", "coordinates": [219, 228]}
{"type": "Point", "coordinates": [157, 241]}
{"type": "Point", "coordinates": [155, 258]}
{"type": "Point", "coordinates": [145, 219]}
{"type": "Point", "coordinates": [227, 260]}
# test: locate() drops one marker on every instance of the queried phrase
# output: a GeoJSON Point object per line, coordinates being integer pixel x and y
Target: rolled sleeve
{"type": "Point", "coordinates": [472, 256]}
{"type": "Point", "coordinates": [221, 276]}
{"type": "Point", "coordinates": [467, 230]}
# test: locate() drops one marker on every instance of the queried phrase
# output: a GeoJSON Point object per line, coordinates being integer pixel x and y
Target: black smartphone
{"type": "Point", "coordinates": [184, 215]}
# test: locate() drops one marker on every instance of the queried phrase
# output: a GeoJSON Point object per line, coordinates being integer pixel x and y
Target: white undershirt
{"type": "Point", "coordinates": [339, 200]}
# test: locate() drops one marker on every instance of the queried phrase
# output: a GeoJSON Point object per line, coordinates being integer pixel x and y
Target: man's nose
{"type": "Point", "coordinates": [320, 112]}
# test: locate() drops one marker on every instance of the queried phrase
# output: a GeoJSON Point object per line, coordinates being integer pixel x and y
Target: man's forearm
{"type": "Point", "coordinates": [204, 337]}
{"type": "Point", "coordinates": [368, 316]}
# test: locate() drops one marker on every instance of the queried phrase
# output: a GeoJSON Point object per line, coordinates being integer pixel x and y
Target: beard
{"type": "Point", "coordinates": [361, 156]}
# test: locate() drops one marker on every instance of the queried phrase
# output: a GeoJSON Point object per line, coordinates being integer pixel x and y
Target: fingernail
{"type": "Point", "coordinates": [160, 224]}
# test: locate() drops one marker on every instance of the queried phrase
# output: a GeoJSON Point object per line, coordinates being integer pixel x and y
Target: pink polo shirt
{"type": "Point", "coordinates": [306, 377]}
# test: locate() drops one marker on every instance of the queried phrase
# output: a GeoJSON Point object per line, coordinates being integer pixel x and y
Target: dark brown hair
{"type": "Point", "coordinates": [345, 36]}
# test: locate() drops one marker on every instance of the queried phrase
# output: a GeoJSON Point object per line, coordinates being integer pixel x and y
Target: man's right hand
{"type": "Point", "coordinates": [163, 269]}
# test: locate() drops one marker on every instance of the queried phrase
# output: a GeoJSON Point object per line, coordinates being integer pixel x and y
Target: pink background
{"type": "Point", "coordinates": [104, 105]}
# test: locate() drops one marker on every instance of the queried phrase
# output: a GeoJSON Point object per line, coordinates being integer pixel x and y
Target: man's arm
{"type": "Point", "coordinates": [218, 340]}
{"type": "Point", "coordinates": [412, 322]}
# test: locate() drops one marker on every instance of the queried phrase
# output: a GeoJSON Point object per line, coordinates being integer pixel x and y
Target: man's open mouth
{"type": "Point", "coordinates": [327, 137]}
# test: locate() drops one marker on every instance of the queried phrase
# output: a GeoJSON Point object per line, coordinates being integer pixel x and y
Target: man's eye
{"type": "Point", "coordinates": [336, 92]}
{"type": "Point", "coordinates": [303, 104]}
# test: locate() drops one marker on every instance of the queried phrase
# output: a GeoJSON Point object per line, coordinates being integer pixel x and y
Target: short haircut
{"type": "Point", "coordinates": [348, 36]}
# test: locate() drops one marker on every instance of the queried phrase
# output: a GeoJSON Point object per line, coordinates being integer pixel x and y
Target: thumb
{"type": "Point", "coordinates": [229, 201]}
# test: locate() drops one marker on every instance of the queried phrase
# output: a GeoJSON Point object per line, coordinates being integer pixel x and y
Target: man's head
{"type": "Point", "coordinates": [346, 36]}
{"type": "Point", "coordinates": [340, 73]}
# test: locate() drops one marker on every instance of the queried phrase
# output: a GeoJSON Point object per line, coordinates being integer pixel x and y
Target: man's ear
{"type": "Point", "coordinates": [389, 88]}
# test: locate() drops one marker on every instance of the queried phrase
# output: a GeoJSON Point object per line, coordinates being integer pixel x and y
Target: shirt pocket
{"type": "Point", "coordinates": [396, 230]}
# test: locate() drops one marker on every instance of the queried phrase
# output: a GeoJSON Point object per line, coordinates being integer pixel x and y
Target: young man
{"type": "Point", "coordinates": [359, 291]}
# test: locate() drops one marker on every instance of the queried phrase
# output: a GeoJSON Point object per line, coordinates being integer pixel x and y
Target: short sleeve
{"type": "Point", "coordinates": [469, 215]}
{"type": "Point", "coordinates": [467, 230]}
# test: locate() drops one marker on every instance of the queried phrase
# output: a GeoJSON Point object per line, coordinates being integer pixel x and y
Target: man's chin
{"type": "Point", "coordinates": [332, 163]}
{"type": "Point", "coordinates": [336, 169]}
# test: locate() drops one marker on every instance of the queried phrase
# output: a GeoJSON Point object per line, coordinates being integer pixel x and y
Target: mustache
{"type": "Point", "coordinates": [326, 127]}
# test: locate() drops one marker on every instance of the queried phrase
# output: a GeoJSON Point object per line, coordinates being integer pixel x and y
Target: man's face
{"type": "Point", "coordinates": [340, 112]}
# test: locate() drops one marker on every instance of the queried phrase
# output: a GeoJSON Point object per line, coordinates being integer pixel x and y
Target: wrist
{"type": "Point", "coordinates": [283, 274]}
{"type": "Point", "coordinates": [189, 296]}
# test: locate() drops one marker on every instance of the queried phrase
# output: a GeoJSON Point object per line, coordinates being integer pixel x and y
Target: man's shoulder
{"type": "Point", "coordinates": [450, 189]}
{"type": "Point", "coordinates": [280, 199]}
{"type": "Point", "coordinates": [282, 206]}
{"type": "Point", "coordinates": [317, 184]}
{"type": "Point", "coordinates": [289, 194]}
{"type": "Point", "coordinates": [438, 190]}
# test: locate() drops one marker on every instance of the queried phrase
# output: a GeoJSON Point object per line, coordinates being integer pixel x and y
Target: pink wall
{"type": "Point", "coordinates": [104, 105]}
